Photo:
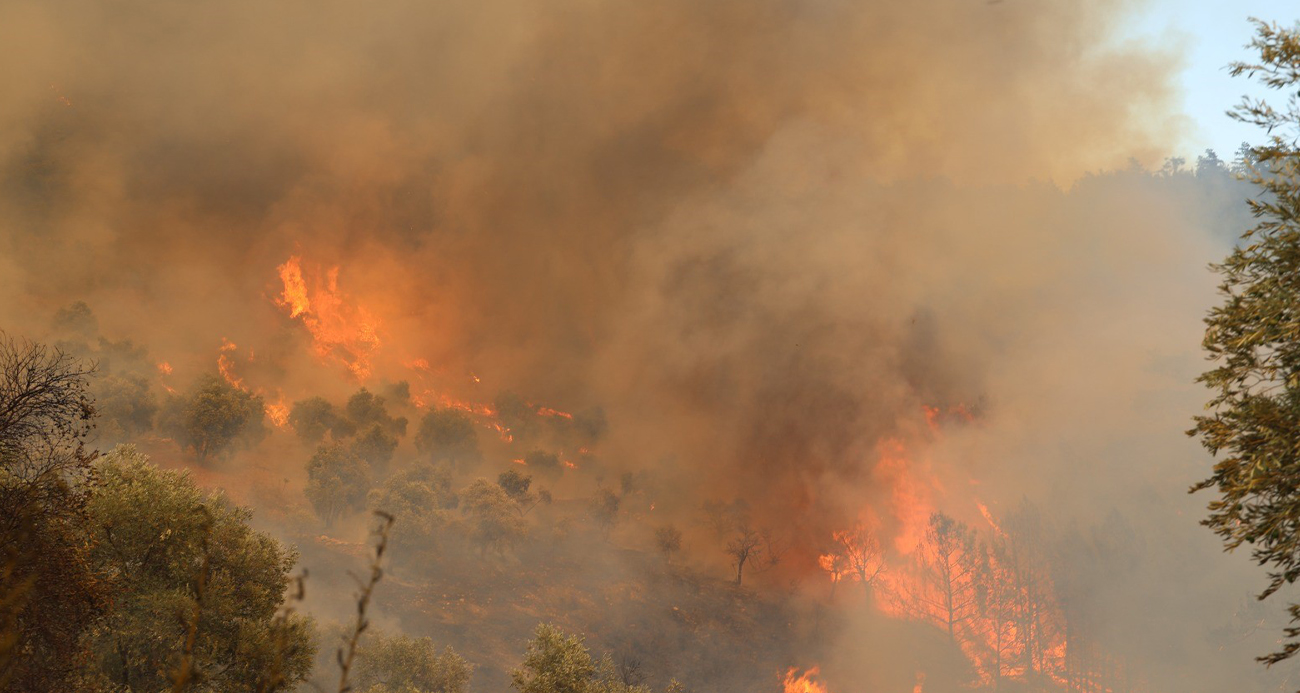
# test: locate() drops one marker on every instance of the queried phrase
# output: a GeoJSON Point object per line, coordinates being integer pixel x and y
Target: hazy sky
{"type": "Point", "coordinates": [1213, 33]}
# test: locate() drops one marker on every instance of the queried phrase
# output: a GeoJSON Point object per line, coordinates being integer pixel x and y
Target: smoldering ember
{"type": "Point", "coordinates": [798, 346]}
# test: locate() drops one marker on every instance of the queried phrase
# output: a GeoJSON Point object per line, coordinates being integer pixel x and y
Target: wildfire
{"type": "Point", "coordinates": [804, 683]}
{"type": "Point", "coordinates": [857, 556]}
{"type": "Point", "coordinates": [931, 416]}
{"type": "Point", "coordinates": [341, 331]}
{"type": "Point", "coordinates": [165, 370]}
{"type": "Point", "coordinates": [991, 595]}
{"type": "Point", "coordinates": [990, 591]}
{"type": "Point", "coordinates": [226, 366]}
{"type": "Point", "coordinates": [833, 564]}
{"type": "Point", "coordinates": [936, 417]}
{"type": "Point", "coordinates": [910, 502]}
{"type": "Point", "coordinates": [278, 413]}
{"type": "Point", "coordinates": [486, 415]}
{"type": "Point", "coordinates": [988, 517]}
{"type": "Point", "coordinates": [59, 96]}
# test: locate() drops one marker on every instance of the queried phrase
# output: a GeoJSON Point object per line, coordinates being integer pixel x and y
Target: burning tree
{"type": "Point", "coordinates": [856, 555]}
{"type": "Point", "coordinates": [545, 463]}
{"type": "Point", "coordinates": [1022, 553]}
{"type": "Point", "coordinates": [997, 599]}
{"type": "Point", "coordinates": [950, 563]}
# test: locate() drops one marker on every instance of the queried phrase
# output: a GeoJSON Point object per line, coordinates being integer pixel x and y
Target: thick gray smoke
{"type": "Point", "coordinates": [763, 235]}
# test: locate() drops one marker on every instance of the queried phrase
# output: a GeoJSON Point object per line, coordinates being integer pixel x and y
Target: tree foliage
{"type": "Point", "coordinates": [402, 664]}
{"type": "Point", "coordinates": [518, 486]}
{"type": "Point", "coordinates": [543, 462]}
{"type": "Point", "coordinates": [494, 522]}
{"type": "Point", "coordinates": [448, 435]}
{"type": "Point", "coordinates": [668, 539]}
{"type": "Point", "coordinates": [375, 446]}
{"type": "Point", "coordinates": [126, 406]}
{"type": "Point", "coordinates": [559, 663]}
{"type": "Point", "coordinates": [153, 562]}
{"type": "Point", "coordinates": [1253, 337]}
{"type": "Point", "coordinates": [365, 409]}
{"type": "Point", "coordinates": [337, 481]}
{"type": "Point", "coordinates": [423, 498]}
{"type": "Point", "coordinates": [312, 418]}
{"type": "Point", "coordinates": [49, 592]}
{"type": "Point", "coordinates": [604, 509]}
{"type": "Point", "coordinates": [213, 416]}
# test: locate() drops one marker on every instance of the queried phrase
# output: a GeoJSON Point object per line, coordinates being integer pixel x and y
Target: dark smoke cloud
{"type": "Point", "coordinates": [763, 234]}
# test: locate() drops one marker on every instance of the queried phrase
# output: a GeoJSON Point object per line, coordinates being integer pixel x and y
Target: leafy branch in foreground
{"type": "Point", "coordinates": [1253, 337]}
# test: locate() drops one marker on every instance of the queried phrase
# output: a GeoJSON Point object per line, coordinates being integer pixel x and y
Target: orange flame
{"type": "Point", "coordinates": [278, 413]}
{"type": "Point", "coordinates": [340, 331]}
{"type": "Point", "coordinates": [988, 517]}
{"type": "Point", "coordinates": [931, 416]}
{"type": "Point", "coordinates": [910, 502]}
{"type": "Point", "coordinates": [227, 367]}
{"type": "Point", "coordinates": [804, 683]}
{"type": "Point", "coordinates": [833, 565]}
{"type": "Point", "coordinates": [165, 370]}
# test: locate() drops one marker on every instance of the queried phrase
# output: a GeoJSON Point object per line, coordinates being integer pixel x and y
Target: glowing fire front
{"type": "Point", "coordinates": [277, 411]}
{"type": "Point", "coordinates": [988, 586]}
{"type": "Point", "coordinates": [803, 683]}
{"type": "Point", "coordinates": [341, 331]}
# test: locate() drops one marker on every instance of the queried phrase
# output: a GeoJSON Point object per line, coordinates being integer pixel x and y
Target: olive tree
{"type": "Point", "coordinates": [494, 522]}
{"type": "Point", "coordinates": [448, 435]}
{"type": "Point", "coordinates": [337, 481]}
{"type": "Point", "coordinates": [402, 664]}
{"type": "Point", "coordinates": [213, 416]}
{"type": "Point", "coordinates": [1252, 425]}
{"type": "Point", "coordinates": [49, 591]}
{"type": "Point", "coordinates": [190, 565]}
